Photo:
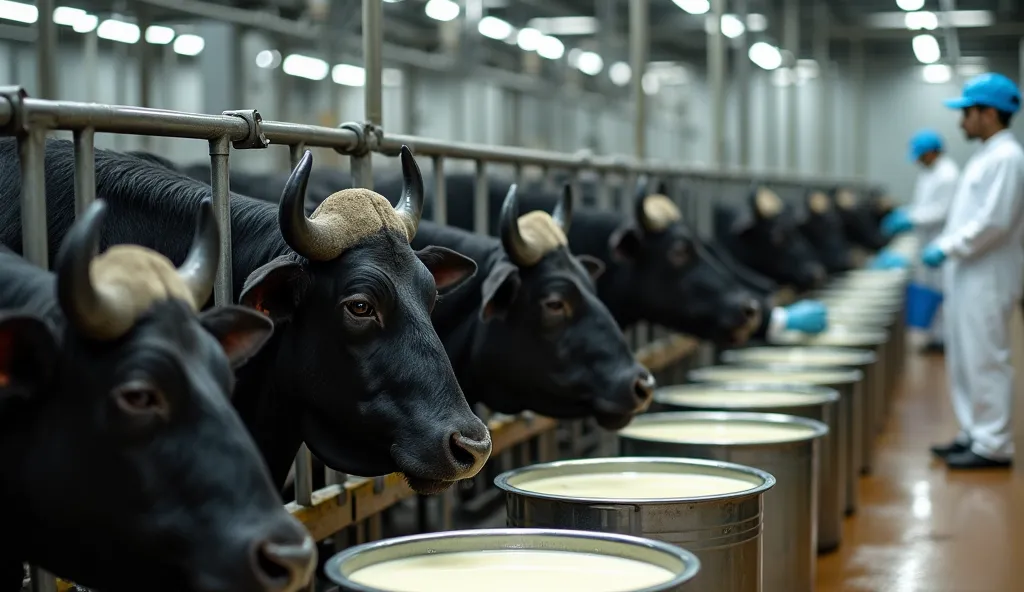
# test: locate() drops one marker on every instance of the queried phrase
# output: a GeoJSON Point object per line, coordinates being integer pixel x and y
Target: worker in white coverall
{"type": "Point", "coordinates": [926, 214]}
{"type": "Point", "coordinates": [981, 250]}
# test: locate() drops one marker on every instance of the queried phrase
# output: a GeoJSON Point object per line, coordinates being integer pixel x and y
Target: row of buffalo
{"type": "Point", "coordinates": [146, 434]}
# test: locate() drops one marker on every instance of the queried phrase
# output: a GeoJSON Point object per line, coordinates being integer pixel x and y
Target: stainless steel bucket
{"type": "Point", "coordinates": [786, 446]}
{"type": "Point", "coordinates": [723, 531]}
{"type": "Point", "coordinates": [864, 360]}
{"type": "Point", "coordinates": [849, 383]}
{"type": "Point", "coordinates": [817, 403]}
{"type": "Point", "coordinates": [677, 566]}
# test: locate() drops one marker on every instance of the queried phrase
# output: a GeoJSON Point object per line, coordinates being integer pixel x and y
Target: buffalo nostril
{"type": "Point", "coordinates": [469, 452]}
{"type": "Point", "coordinates": [751, 308]}
{"type": "Point", "coordinates": [285, 567]}
{"type": "Point", "coordinates": [643, 389]}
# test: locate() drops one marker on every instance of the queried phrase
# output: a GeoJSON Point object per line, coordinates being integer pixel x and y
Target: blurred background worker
{"type": "Point", "coordinates": [927, 212]}
{"type": "Point", "coordinates": [982, 246]}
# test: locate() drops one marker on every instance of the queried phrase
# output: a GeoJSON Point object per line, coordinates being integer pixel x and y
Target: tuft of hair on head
{"type": "Point", "coordinates": [541, 233]}
{"type": "Point", "coordinates": [845, 199]}
{"type": "Point", "coordinates": [818, 202]}
{"type": "Point", "coordinates": [767, 202]}
{"type": "Point", "coordinates": [660, 212]}
{"type": "Point", "coordinates": [350, 216]}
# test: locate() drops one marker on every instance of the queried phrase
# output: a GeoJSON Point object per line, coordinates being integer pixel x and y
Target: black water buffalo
{"type": "Point", "coordinates": [762, 234]}
{"type": "Point", "coordinates": [528, 331]}
{"type": "Point", "coordinates": [123, 461]}
{"type": "Point", "coordinates": [823, 228]}
{"type": "Point", "coordinates": [355, 368]}
{"type": "Point", "coordinates": [861, 220]}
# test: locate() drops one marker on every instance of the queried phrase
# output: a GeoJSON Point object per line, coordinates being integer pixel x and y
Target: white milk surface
{"type": "Point", "coordinates": [718, 432]}
{"type": "Point", "coordinates": [636, 485]}
{"type": "Point", "coordinates": [726, 398]}
{"type": "Point", "coordinates": [772, 376]}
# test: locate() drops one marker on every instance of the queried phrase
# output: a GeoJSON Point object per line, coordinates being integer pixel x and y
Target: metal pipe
{"type": "Point", "coordinates": [481, 199]}
{"type": "Point", "coordinates": [90, 53]}
{"type": "Point", "coordinates": [119, 119]}
{"type": "Point", "coordinates": [440, 192]}
{"type": "Point", "coordinates": [742, 65]}
{"type": "Point", "coordinates": [639, 40]}
{"type": "Point", "coordinates": [860, 142]}
{"type": "Point", "coordinates": [716, 74]}
{"type": "Point", "coordinates": [34, 239]}
{"type": "Point", "coordinates": [220, 181]}
{"type": "Point", "coordinates": [372, 42]}
{"type": "Point", "coordinates": [952, 39]}
{"type": "Point", "coordinates": [85, 170]}
{"type": "Point", "coordinates": [821, 55]}
{"type": "Point", "coordinates": [46, 51]}
{"type": "Point", "coordinates": [792, 91]}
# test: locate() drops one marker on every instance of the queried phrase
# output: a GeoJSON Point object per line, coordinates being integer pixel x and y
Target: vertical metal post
{"type": "Point", "coordinates": [145, 67]}
{"type": "Point", "coordinates": [742, 65]}
{"type": "Point", "coordinates": [42, 580]}
{"type": "Point", "coordinates": [34, 240]}
{"type": "Point", "coordinates": [716, 74]}
{"type": "Point", "coordinates": [46, 51]}
{"type": "Point", "coordinates": [440, 192]}
{"type": "Point", "coordinates": [220, 182]}
{"type": "Point", "coordinates": [639, 40]}
{"type": "Point", "coordinates": [481, 222]}
{"type": "Point", "coordinates": [825, 81]}
{"type": "Point", "coordinates": [372, 23]}
{"type": "Point", "coordinates": [860, 144]}
{"type": "Point", "coordinates": [792, 38]}
{"type": "Point", "coordinates": [85, 170]}
{"type": "Point", "coordinates": [90, 59]}
{"type": "Point", "coordinates": [770, 115]}
{"type": "Point", "coordinates": [410, 114]}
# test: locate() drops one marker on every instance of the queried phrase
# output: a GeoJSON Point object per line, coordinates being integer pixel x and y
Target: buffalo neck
{"type": "Point", "coordinates": [590, 234]}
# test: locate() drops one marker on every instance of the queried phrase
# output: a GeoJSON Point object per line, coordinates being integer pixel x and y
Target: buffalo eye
{"type": "Point", "coordinates": [139, 397]}
{"type": "Point", "coordinates": [360, 308]}
{"type": "Point", "coordinates": [555, 310]}
{"type": "Point", "coordinates": [679, 254]}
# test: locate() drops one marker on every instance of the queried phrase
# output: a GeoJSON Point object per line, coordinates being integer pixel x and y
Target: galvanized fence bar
{"type": "Point", "coordinates": [85, 169]}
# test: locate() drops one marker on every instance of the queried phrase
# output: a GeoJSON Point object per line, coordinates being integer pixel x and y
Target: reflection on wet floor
{"type": "Point", "coordinates": [920, 527]}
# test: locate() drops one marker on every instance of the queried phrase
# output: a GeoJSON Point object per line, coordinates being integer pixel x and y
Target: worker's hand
{"type": "Point", "coordinates": [889, 260]}
{"type": "Point", "coordinates": [896, 221]}
{"type": "Point", "coordinates": [807, 316]}
{"type": "Point", "coordinates": [933, 256]}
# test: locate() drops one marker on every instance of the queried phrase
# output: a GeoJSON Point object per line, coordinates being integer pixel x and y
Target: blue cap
{"type": "Point", "coordinates": [923, 142]}
{"type": "Point", "coordinates": [988, 90]}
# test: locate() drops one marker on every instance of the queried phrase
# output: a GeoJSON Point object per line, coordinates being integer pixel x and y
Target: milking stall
{"type": "Point", "coordinates": [511, 295]}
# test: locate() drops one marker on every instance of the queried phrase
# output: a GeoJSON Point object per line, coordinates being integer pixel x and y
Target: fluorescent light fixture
{"type": "Point", "coordinates": [348, 75]}
{"type": "Point", "coordinates": [529, 39]}
{"type": "Point", "coordinates": [765, 55]}
{"type": "Point", "coordinates": [807, 69]}
{"type": "Point", "coordinates": [732, 26]}
{"type": "Point", "coordinates": [268, 58]}
{"type": "Point", "coordinates": [757, 23]}
{"type": "Point", "coordinates": [18, 12]}
{"type": "Point", "coordinates": [565, 25]}
{"type": "Point", "coordinates": [442, 10]}
{"type": "Point", "coordinates": [620, 73]}
{"type": "Point", "coordinates": [936, 73]}
{"type": "Point", "coordinates": [304, 66]}
{"type": "Point", "coordinates": [926, 49]}
{"type": "Point", "coordinates": [189, 45]}
{"type": "Point", "coordinates": [158, 35]}
{"type": "Point", "coordinates": [961, 19]}
{"type": "Point", "coordinates": [784, 77]}
{"type": "Point", "coordinates": [590, 63]}
{"type": "Point", "coordinates": [694, 6]}
{"type": "Point", "coordinates": [910, 5]}
{"type": "Point", "coordinates": [76, 18]}
{"type": "Point", "coordinates": [494, 28]}
{"type": "Point", "coordinates": [968, 70]}
{"type": "Point", "coordinates": [115, 30]}
{"type": "Point", "coordinates": [921, 20]}
{"type": "Point", "coordinates": [550, 48]}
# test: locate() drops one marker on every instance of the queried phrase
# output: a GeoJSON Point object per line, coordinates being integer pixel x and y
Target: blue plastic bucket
{"type": "Point", "coordinates": [922, 303]}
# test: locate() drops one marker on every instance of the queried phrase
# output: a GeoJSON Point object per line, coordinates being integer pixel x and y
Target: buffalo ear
{"type": "Point", "coordinates": [594, 266]}
{"type": "Point", "coordinates": [499, 290]}
{"type": "Point", "coordinates": [241, 331]}
{"type": "Point", "coordinates": [449, 268]}
{"type": "Point", "coordinates": [275, 289]}
{"type": "Point", "coordinates": [28, 354]}
{"type": "Point", "coordinates": [624, 243]}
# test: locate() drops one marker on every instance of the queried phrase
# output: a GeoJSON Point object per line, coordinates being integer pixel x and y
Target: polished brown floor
{"type": "Point", "coordinates": [920, 527]}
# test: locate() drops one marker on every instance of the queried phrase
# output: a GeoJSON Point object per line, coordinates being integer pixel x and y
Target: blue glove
{"type": "Point", "coordinates": [807, 316]}
{"type": "Point", "coordinates": [933, 256]}
{"type": "Point", "coordinates": [889, 260]}
{"type": "Point", "coordinates": [896, 221]}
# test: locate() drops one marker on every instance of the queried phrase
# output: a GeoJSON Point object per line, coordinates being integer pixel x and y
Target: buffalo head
{"type": "Point", "coordinates": [823, 228]}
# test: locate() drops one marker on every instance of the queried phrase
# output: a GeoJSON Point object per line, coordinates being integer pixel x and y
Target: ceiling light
{"type": "Point", "coordinates": [590, 63]}
{"type": "Point", "coordinates": [442, 10]}
{"type": "Point", "coordinates": [115, 30]}
{"type": "Point", "coordinates": [732, 26]}
{"type": "Point", "coordinates": [550, 48]}
{"type": "Point", "coordinates": [18, 12]}
{"type": "Point", "coordinates": [76, 18]}
{"type": "Point", "coordinates": [784, 77]}
{"type": "Point", "coordinates": [764, 55]}
{"type": "Point", "coordinates": [910, 5]}
{"type": "Point", "coordinates": [620, 73]}
{"type": "Point", "coordinates": [757, 23]}
{"type": "Point", "coordinates": [494, 28]}
{"type": "Point", "coordinates": [565, 25]}
{"type": "Point", "coordinates": [189, 45]}
{"type": "Point", "coordinates": [950, 18]}
{"type": "Point", "coordinates": [268, 58]}
{"type": "Point", "coordinates": [158, 35]}
{"type": "Point", "coordinates": [926, 49]}
{"type": "Point", "coordinates": [921, 20]}
{"type": "Point", "coordinates": [529, 39]}
{"type": "Point", "coordinates": [694, 6]}
{"type": "Point", "coordinates": [305, 67]}
{"type": "Point", "coordinates": [807, 69]}
{"type": "Point", "coordinates": [936, 73]}
{"type": "Point", "coordinates": [348, 75]}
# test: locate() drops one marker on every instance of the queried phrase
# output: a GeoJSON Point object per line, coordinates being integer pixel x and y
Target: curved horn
{"type": "Point", "coordinates": [638, 205]}
{"type": "Point", "coordinates": [410, 206]}
{"type": "Point", "coordinates": [298, 232]}
{"type": "Point", "coordinates": [200, 266]}
{"type": "Point", "coordinates": [563, 210]}
{"type": "Point", "coordinates": [518, 251]}
{"type": "Point", "coordinates": [86, 309]}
